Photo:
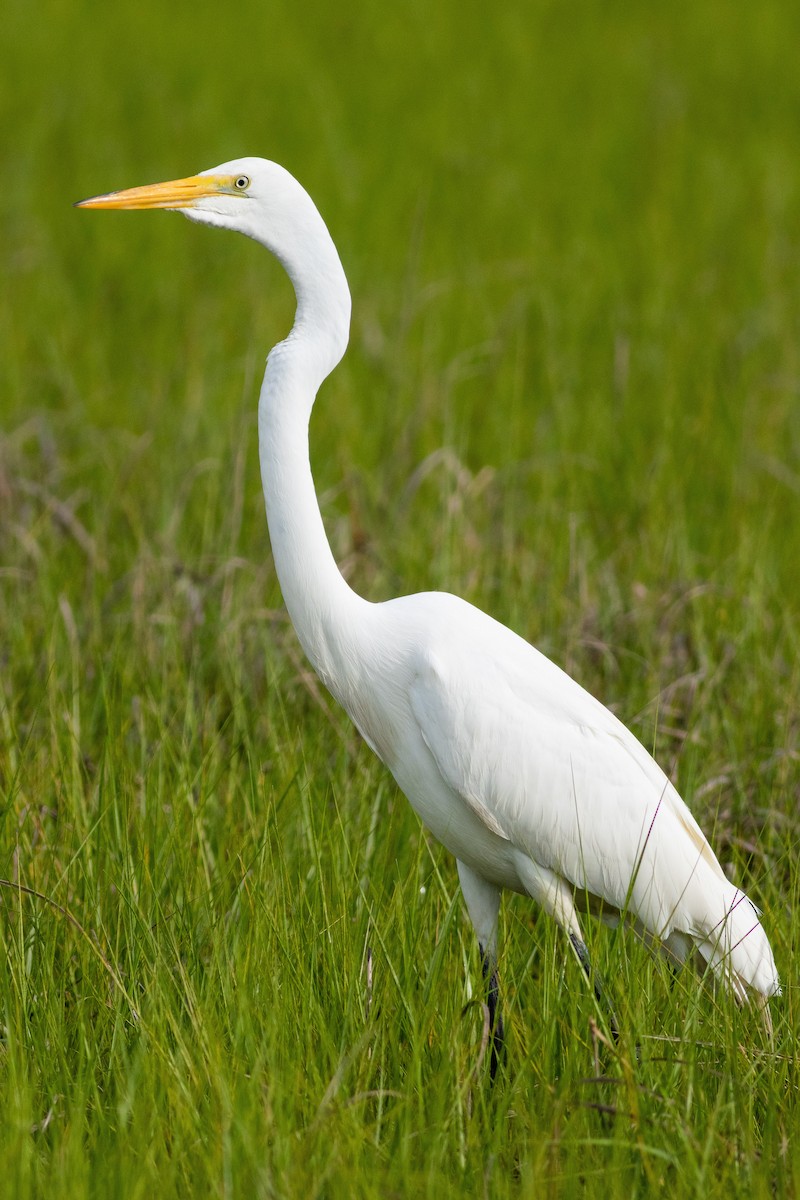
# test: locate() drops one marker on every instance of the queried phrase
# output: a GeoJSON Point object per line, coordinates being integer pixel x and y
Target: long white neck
{"type": "Point", "coordinates": [323, 608]}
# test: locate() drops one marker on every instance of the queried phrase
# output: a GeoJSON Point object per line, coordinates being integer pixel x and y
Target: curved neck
{"type": "Point", "coordinates": [323, 608]}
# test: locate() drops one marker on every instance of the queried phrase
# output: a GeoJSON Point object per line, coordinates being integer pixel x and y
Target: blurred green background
{"type": "Point", "coordinates": [576, 225]}
{"type": "Point", "coordinates": [572, 233]}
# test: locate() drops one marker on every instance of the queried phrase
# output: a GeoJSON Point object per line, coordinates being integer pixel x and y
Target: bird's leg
{"type": "Point", "coordinates": [555, 897]}
{"type": "Point", "coordinates": [483, 905]}
{"type": "Point", "coordinates": [496, 1028]}
{"type": "Point", "coordinates": [582, 955]}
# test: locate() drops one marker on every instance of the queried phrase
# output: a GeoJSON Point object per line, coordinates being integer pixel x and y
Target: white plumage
{"type": "Point", "coordinates": [527, 779]}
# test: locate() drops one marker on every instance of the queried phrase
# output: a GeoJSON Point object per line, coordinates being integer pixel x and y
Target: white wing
{"type": "Point", "coordinates": [549, 768]}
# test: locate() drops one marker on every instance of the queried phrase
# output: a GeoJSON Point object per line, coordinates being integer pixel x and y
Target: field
{"type": "Point", "coordinates": [233, 962]}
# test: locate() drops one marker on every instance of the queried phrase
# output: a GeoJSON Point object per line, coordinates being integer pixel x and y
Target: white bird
{"type": "Point", "coordinates": [526, 778]}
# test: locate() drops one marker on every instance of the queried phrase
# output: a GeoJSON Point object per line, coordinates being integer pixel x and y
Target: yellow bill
{"type": "Point", "coordinates": [176, 193]}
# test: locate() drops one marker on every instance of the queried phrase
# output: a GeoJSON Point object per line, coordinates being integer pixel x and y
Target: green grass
{"type": "Point", "coordinates": [573, 238]}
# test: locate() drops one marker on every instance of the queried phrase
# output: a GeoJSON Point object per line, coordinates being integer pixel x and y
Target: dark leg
{"type": "Point", "coordinates": [483, 904]}
{"type": "Point", "coordinates": [496, 1031]}
{"type": "Point", "coordinates": [597, 984]}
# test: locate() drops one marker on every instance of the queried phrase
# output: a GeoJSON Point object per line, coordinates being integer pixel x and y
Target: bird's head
{"type": "Point", "coordinates": [249, 195]}
{"type": "Point", "coordinates": [262, 200]}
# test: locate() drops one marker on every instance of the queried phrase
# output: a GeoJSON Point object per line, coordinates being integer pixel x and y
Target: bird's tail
{"type": "Point", "coordinates": [735, 947]}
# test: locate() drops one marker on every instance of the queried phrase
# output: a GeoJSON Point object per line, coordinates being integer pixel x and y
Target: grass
{"type": "Point", "coordinates": [573, 238]}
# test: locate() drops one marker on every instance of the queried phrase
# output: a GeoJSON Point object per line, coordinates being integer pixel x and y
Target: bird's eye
{"type": "Point", "coordinates": [242, 183]}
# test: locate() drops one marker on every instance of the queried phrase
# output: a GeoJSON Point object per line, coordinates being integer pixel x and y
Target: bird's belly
{"type": "Point", "coordinates": [386, 724]}
{"type": "Point", "coordinates": [452, 822]}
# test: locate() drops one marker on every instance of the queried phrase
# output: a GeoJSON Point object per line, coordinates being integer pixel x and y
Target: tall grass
{"type": "Point", "coordinates": [233, 962]}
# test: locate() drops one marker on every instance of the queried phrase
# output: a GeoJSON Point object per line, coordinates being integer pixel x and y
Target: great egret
{"type": "Point", "coordinates": [525, 777]}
